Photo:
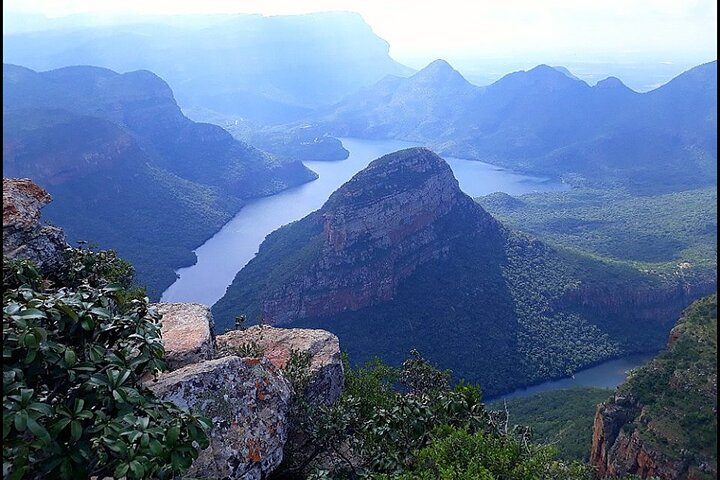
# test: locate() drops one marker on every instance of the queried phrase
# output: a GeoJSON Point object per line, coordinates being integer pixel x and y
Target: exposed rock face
{"type": "Point", "coordinates": [187, 333]}
{"type": "Point", "coordinates": [662, 421]}
{"type": "Point", "coordinates": [376, 230]}
{"type": "Point", "coordinates": [23, 234]}
{"type": "Point", "coordinates": [276, 345]}
{"type": "Point", "coordinates": [247, 400]}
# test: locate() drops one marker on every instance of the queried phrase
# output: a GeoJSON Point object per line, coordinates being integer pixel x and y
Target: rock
{"type": "Point", "coordinates": [187, 333]}
{"type": "Point", "coordinates": [326, 368]}
{"type": "Point", "coordinates": [248, 401]}
{"type": "Point", "coordinates": [23, 234]}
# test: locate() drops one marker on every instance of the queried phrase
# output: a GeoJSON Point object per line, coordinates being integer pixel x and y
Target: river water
{"type": "Point", "coordinates": [608, 374]}
{"type": "Point", "coordinates": [228, 251]}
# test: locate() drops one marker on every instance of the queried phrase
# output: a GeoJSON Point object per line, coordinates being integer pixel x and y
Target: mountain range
{"type": "Point", "coordinates": [400, 258]}
{"type": "Point", "coordinates": [268, 69]}
{"type": "Point", "coordinates": [126, 168]}
{"type": "Point", "coordinates": [548, 122]}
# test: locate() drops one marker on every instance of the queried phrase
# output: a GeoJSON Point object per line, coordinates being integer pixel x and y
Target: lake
{"type": "Point", "coordinates": [228, 251]}
{"type": "Point", "coordinates": [609, 374]}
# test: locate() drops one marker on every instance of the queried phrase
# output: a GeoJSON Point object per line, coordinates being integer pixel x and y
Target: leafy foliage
{"type": "Point", "coordinates": [561, 418]}
{"type": "Point", "coordinates": [408, 423]}
{"type": "Point", "coordinates": [75, 359]}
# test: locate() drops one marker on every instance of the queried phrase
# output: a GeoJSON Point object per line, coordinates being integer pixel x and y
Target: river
{"type": "Point", "coordinates": [228, 251]}
{"type": "Point", "coordinates": [608, 374]}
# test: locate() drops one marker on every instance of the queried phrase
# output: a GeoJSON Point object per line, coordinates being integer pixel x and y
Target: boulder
{"type": "Point", "coordinates": [248, 401]}
{"type": "Point", "coordinates": [23, 234]}
{"type": "Point", "coordinates": [187, 333]}
{"type": "Point", "coordinates": [327, 375]}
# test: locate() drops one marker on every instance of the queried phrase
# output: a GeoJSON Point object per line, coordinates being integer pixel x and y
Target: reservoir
{"type": "Point", "coordinates": [229, 250]}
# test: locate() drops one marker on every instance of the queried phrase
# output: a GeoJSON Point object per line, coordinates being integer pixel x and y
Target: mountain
{"type": "Point", "coordinates": [662, 421]}
{"type": "Point", "coordinates": [269, 69]}
{"type": "Point", "coordinates": [126, 168]}
{"type": "Point", "coordinates": [400, 258]}
{"type": "Point", "coordinates": [547, 122]}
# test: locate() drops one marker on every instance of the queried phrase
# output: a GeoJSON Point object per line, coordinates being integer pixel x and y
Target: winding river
{"type": "Point", "coordinates": [229, 250]}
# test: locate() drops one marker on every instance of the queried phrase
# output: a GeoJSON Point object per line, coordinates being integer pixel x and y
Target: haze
{"type": "Point", "coordinates": [483, 39]}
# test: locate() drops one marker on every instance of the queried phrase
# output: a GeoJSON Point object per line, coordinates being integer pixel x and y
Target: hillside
{"type": "Point", "coordinates": [544, 121]}
{"type": "Point", "coordinates": [126, 168]}
{"type": "Point", "coordinates": [400, 258]}
{"type": "Point", "coordinates": [560, 418]}
{"type": "Point", "coordinates": [663, 420]}
{"type": "Point", "coordinates": [268, 69]}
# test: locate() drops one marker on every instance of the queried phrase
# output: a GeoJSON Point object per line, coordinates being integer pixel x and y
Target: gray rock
{"type": "Point", "coordinates": [23, 234]}
{"type": "Point", "coordinates": [187, 333]}
{"type": "Point", "coordinates": [327, 375]}
{"type": "Point", "coordinates": [248, 401]}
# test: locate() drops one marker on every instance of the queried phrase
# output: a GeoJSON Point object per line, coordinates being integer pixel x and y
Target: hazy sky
{"type": "Point", "coordinates": [419, 31]}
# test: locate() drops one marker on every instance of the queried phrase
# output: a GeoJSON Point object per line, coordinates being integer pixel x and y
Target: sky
{"type": "Point", "coordinates": [465, 32]}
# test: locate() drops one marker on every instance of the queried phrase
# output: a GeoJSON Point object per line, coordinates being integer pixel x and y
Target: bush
{"type": "Point", "coordinates": [76, 355]}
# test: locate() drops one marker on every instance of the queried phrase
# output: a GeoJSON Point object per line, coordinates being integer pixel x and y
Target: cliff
{"type": "Point", "coordinates": [663, 421]}
{"type": "Point", "coordinates": [400, 258]}
{"type": "Point", "coordinates": [23, 234]}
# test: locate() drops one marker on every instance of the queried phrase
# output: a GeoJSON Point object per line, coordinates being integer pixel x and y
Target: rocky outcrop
{"type": "Point", "coordinates": [377, 229]}
{"type": "Point", "coordinates": [187, 333]}
{"type": "Point", "coordinates": [247, 399]}
{"type": "Point", "coordinates": [277, 345]}
{"type": "Point", "coordinates": [23, 234]}
{"type": "Point", "coordinates": [661, 422]}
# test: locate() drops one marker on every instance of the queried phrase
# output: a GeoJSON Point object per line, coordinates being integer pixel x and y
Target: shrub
{"type": "Point", "coordinates": [76, 355]}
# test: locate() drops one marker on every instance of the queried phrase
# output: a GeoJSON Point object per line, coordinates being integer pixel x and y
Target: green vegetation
{"type": "Point", "coordinates": [561, 418]}
{"type": "Point", "coordinates": [678, 389]}
{"type": "Point", "coordinates": [77, 345]}
{"type": "Point", "coordinates": [408, 423]}
{"type": "Point", "coordinates": [650, 232]}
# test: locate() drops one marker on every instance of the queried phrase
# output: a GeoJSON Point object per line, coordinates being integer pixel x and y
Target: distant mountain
{"type": "Point", "coordinates": [270, 69]}
{"type": "Point", "coordinates": [662, 422]}
{"type": "Point", "coordinates": [400, 258]}
{"type": "Point", "coordinates": [126, 168]}
{"type": "Point", "coordinates": [546, 121]}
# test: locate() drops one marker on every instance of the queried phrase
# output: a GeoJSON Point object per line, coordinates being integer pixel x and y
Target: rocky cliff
{"type": "Point", "coordinates": [23, 234]}
{"type": "Point", "coordinates": [400, 258]}
{"type": "Point", "coordinates": [663, 421]}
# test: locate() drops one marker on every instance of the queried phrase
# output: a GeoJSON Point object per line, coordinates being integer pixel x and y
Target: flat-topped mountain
{"type": "Point", "coordinates": [548, 122]}
{"type": "Point", "coordinates": [399, 258]}
{"type": "Point", "coordinates": [271, 68]}
{"type": "Point", "coordinates": [126, 168]}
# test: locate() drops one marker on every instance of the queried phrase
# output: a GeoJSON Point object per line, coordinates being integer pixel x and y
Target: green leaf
{"type": "Point", "coordinates": [70, 357]}
{"type": "Point", "coordinates": [31, 313]}
{"type": "Point", "coordinates": [38, 430]}
{"type": "Point", "coordinates": [21, 420]}
{"type": "Point", "coordinates": [75, 431]}
{"type": "Point", "coordinates": [137, 469]}
{"type": "Point", "coordinates": [101, 312]}
{"type": "Point", "coordinates": [173, 434]}
{"type": "Point", "coordinates": [87, 323]}
{"type": "Point", "coordinates": [121, 470]}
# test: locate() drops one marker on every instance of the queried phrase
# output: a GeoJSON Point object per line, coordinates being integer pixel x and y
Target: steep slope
{"type": "Point", "coordinates": [545, 121]}
{"type": "Point", "coordinates": [126, 168]}
{"type": "Point", "coordinates": [263, 68]}
{"type": "Point", "coordinates": [400, 258]}
{"type": "Point", "coordinates": [662, 422]}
